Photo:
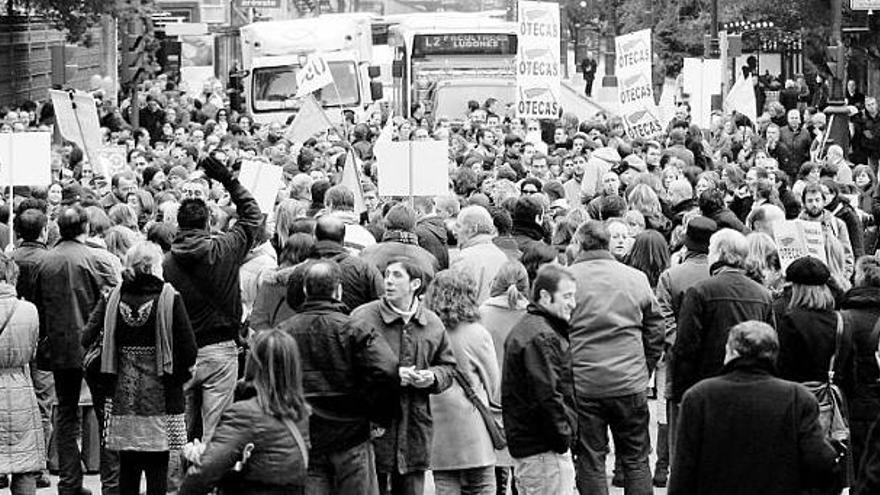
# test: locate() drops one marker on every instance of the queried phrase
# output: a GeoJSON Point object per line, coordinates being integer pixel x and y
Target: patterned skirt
{"type": "Point", "coordinates": [136, 418]}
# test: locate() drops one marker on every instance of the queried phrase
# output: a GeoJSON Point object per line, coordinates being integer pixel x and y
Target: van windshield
{"type": "Point", "coordinates": [274, 87]}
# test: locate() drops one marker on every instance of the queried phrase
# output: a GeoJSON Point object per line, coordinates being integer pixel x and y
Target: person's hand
{"type": "Point", "coordinates": [407, 375]}
{"type": "Point", "coordinates": [215, 169]}
{"type": "Point", "coordinates": [423, 379]}
{"type": "Point", "coordinates": [193, 451]}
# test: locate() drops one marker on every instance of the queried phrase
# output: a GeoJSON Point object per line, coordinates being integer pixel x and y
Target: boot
{"type": "Point", "coordinates": [661, 469]}
{"type": "Point", "coordinates": [4, 481]}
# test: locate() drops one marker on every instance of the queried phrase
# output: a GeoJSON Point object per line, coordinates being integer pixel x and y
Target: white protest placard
{"type": "Point", "coordinates": [413, 168]}
{"type": "Point", "coordinates": [538, 88]}
{"type": "Point", "coordinates": [76, 116]}
{"type": "Point", "coordinates": [263, 180]}
{"type": "Point", "coordinates": [314, 75]}
{"type": "Point", "coordinates": [111, 160]}
{"type": "Point", "coordinates": [798, 238]}
{"type": "Point", "coordinates": [26, 159]}
{"type": "Point", "coordinates": [635, 87]}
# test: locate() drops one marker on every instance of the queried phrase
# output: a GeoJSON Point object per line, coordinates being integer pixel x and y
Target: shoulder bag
{"type": "Point", "coordinates": [833, 416]}
{"type": "Point", "coordinates": [496, 430]}
{"type": "Point", "coordinates": [9, 316]}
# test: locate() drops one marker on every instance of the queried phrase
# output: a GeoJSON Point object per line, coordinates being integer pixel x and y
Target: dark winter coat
{"type": "Point", "coordinates": [708, 311]}
{"type": "Point", "coordinates": [431, 232]}
{"type": "Point", "coordinates": [349, 372]}
{"type": "Point", "coordinates": [858, 374]}
{"type": "Point", "coordinates": [361, 281]}
{"type": "Point", "coordinates": [276, 465]}
{"type": "Point", "coordinates": [770, 442]}
{"type": "Point", "coordinates": [422, 342]}
{"type": "Point", "coordinates": [807, 340]}
{"type": "Point", "coordinates": [537, 386]}
{"type": "Point", "coordinates": [69, 282]}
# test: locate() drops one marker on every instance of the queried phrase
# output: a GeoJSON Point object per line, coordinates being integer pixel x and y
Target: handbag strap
{"type": "Point", "coordinates": [838, 339]}
{"type": "Point", "coordinates": [9, 316]}
{"type": "Point", "coordinates": [300, 441]}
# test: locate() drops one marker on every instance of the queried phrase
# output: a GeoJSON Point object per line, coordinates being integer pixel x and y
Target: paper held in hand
{"type": "Point", "coordinates": [799, 238]}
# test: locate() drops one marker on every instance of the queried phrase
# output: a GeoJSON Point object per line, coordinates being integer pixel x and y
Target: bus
{"type": "Point", "coordinates": [443, 60]}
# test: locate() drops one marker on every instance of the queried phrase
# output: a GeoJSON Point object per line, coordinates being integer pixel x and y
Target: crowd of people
{"type": "Point", "coordinates": [492, 336]}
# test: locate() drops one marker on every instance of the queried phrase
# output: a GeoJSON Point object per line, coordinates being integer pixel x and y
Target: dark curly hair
{"type": "Point", "coordinates": [453, 297]}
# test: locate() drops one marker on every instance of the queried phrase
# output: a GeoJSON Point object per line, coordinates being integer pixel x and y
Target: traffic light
{"type": "Point", "coordinates": [137, 47]}
{"type": "Point", "coordinates": [835, 60]}
{"type": "Point", "coordinates": [63, 67]}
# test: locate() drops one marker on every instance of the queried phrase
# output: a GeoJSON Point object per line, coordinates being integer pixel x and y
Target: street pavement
{"type": "Point", "coordinates": [93, 482]}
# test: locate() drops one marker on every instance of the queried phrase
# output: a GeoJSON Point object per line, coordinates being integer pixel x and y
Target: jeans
{"type": "Point", "coordinates": [351, 471]}
{"type": "Point", "coordinates": [402, 484]}
{"type": "Point", "coordinates": [153, 464]}
{"type": "Point", "coordinates": [109, 468]}
{"type": "Point", "coordinates": [44, 388]}
{"type": "Point", "coordinates": [473, 481]}
{"type": "Point", "coordinates": [67, 388]}
{"type": "Point", "coordinates": [211, 388]}
{"type": "Point", "coordinates": [627, 416]}
{"type": "Point", "coordinates": [548, 473]}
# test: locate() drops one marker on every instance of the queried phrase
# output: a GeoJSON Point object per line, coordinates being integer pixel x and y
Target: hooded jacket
{"type": "Point", "coordinates": [205, 270]}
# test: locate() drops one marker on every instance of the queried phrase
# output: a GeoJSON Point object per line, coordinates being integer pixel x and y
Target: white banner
{"type": "Point", "coordinates": [538, 71]}
{"type": "Point", "coordinates": [635, 88]}
{"type": "Point", "coordinates": [313, 76]}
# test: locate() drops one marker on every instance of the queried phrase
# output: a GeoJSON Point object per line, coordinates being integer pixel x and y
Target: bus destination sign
{"type": "Point", "coordinates": [464, 44]}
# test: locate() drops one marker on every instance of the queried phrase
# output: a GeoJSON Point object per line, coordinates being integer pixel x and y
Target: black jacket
{"type": "Point", "coordinates": [349, 372]}
{"type": "Point", "coordinates": [204, 269]}
{"type": "Point", "coordinates": [807, 339]}
{"type": "Point", "coordinates": [858, 374]}
{"type": "Point", "coordinates": [537, 386]}
{"type": "Point", "coordinates": [276, 465]}
{"type": "Point", "coordinates": [848, 215]}
{"type": "Point", "coordinates": [746, 433]}
{"type": "Point", "coordinates": [708, 311]}
{"type": "Point", "coordinates": [361, 281]}
{"type": "Point", "coordinates": [432, 235]}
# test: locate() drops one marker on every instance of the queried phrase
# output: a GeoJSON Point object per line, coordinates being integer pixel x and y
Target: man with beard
{"type": "Point", "coordinates": [813, 199]}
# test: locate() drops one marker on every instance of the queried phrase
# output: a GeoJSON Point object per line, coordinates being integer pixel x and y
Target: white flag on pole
{"type": "Point", "coordinates": [741, 98]}
{"type": "Point", "coordinates": [351, 180]}
{"type": "Point", "coordinates": [314, 75]}
{"type": "Point", "coordinates": [310, 120]}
